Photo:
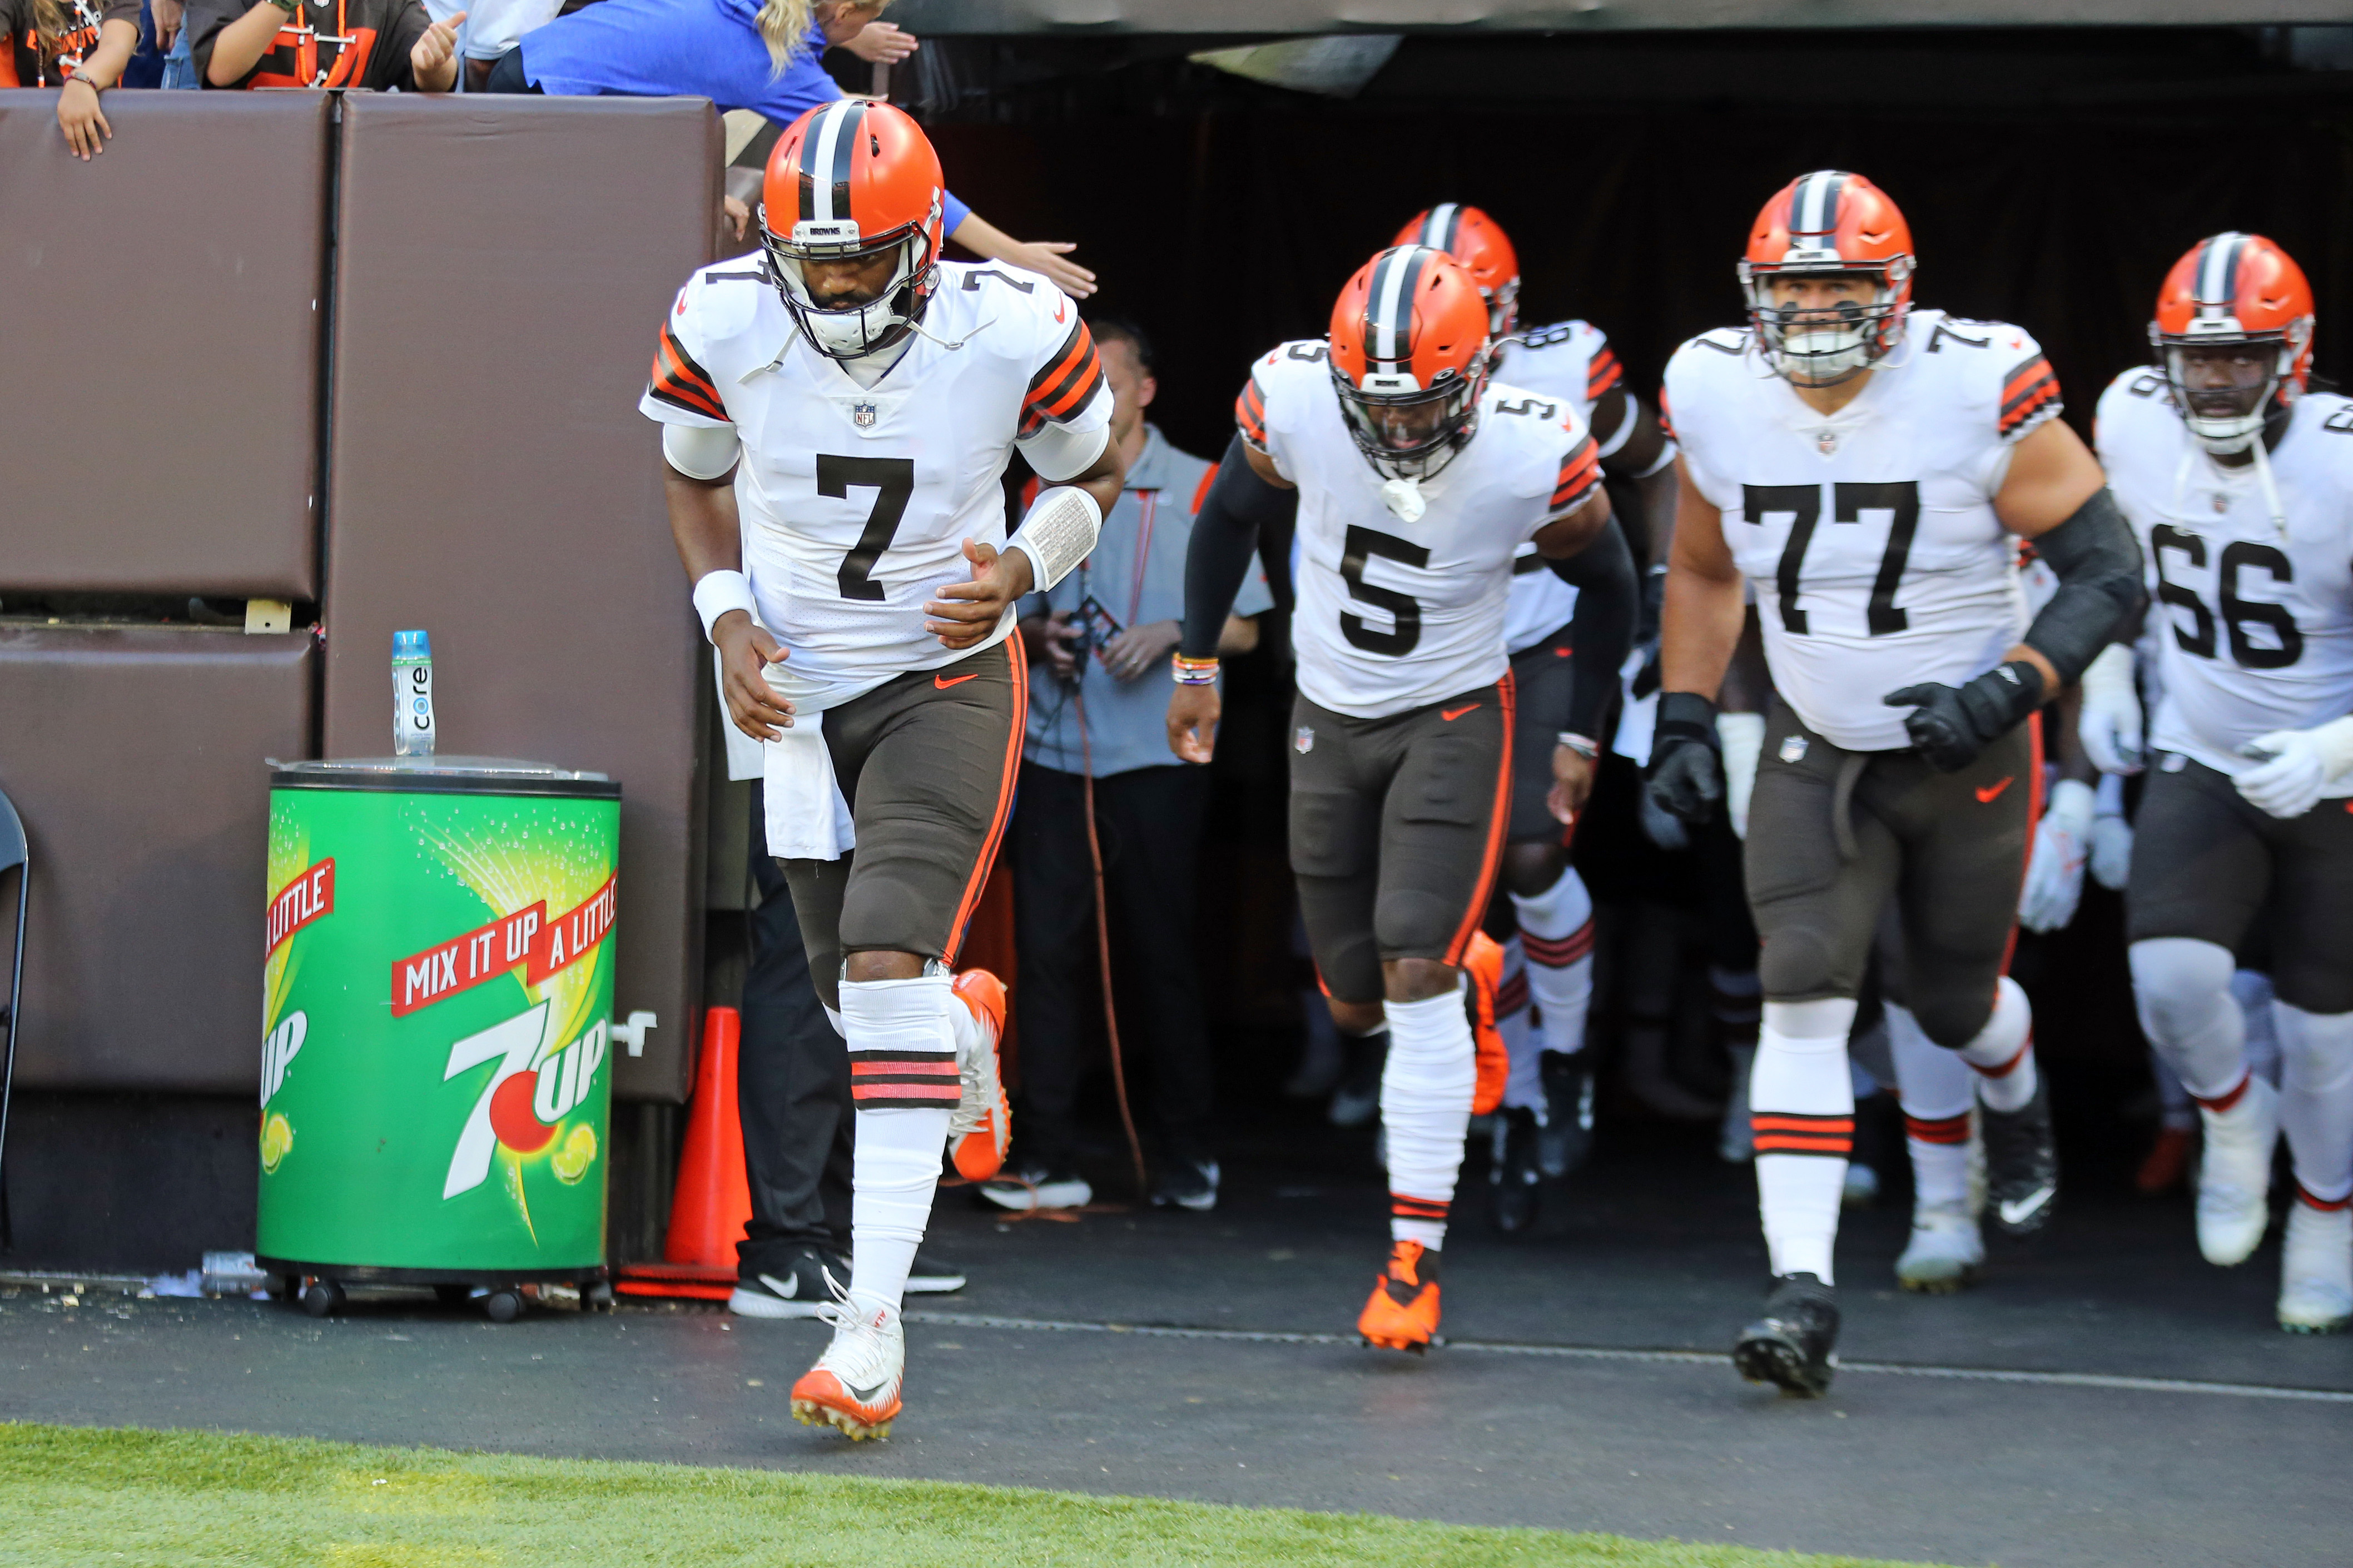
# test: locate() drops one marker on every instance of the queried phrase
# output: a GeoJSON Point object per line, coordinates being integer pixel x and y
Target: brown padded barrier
{"type": "Point", "coordinates": [159, 393]}
{"type": "Point", "coordinates": [135, 758]}
{"type": "Point", "coordinates": [503, 266]}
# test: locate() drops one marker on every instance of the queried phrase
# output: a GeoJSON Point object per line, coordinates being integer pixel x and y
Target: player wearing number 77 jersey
{"type": "Point", "coordinates": [1869, 467]}
{"type": "Point", "coordinates": [836, 414]}
{"type": "Point", "coordinates": [2240, 483]}
{"type": "Point", "coordinates": [1417, 482]}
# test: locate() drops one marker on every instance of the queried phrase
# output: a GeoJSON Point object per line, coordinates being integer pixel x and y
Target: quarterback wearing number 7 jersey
{"type": "Point", "coordinates": [1869, 467]}
{"type": "Point", "coordinates": [837, 411]}
{"type": "Point", "coordinates": [1416, 482]}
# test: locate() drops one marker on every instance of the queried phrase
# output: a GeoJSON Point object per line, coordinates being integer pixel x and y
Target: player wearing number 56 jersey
{"type": "Point", "coordinates": [1868, 467]}
{"type": "Point", "coordinates": [836, 414]}
{"type": "Point", "coordinates": [2238, 482]}
{"type": "Point", "coordinates": [1416, 482]}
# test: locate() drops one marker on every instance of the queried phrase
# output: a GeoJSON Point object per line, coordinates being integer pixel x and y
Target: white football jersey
{"type": "Point", "coordinates": [856, 501]}
{"type": "Point", "coordinates": [1869, 534]}
{"type": "Point", "coordinates": [1394, 616]}
{"type": "Point", "coordinates": [1570, 362]}
{"type": "Point", "coordinates": [2253, 626]}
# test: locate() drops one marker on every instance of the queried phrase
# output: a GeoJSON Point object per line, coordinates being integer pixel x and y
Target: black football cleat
{"type": "Point", "coordinates": [1566, 1139]}
{"type": "Point", "coordinates": [2022, 1163]}
{"type": "Point", "coordinates": [1794, 1344]}
{"type": "Point", "coordinates": [1512, 1175]}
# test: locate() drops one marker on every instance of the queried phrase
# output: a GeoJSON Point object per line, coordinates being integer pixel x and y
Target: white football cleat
{"type": "Point", "coordinates": [855, 1385]}
{"type": "Point", "coordinates": [2317, 1270]}
{"type": "Point", "coordinates": [2234, 1178]}
{"type": "Point", "coordinates": [1946, 1251]}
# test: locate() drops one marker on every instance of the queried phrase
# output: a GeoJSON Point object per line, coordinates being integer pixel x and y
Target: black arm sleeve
{"type": "Point", "coordinates": [1238, 509]}
{"type": "Point", "coordinates": [1601, 628]}
{"type": "Point", "coordinates": [2100, 598]}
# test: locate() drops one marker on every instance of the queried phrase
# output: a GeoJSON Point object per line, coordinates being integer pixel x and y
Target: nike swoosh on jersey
{"type": "Point", "coordinates": [1060, 311]}
{"type": "Point", "coordinates": [943, 682]}
{"type": "Point", "coordinates": [2019, 1211]}
{"type": "Point", "coordinates": [1987, 792]}
{"type": "Point", "coordinates": [1451, 714]}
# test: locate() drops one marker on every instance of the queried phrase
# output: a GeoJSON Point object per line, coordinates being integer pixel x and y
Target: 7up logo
{"type": "Point", "coordinates": [537, 1083]}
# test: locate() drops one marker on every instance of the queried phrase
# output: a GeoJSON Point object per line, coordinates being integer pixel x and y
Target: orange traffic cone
{"type": "Point", "coordinates": [712, 1201]}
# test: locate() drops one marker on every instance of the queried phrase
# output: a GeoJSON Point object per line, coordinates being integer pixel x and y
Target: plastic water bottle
{"type": "Point", "coordinates": [412, 694]}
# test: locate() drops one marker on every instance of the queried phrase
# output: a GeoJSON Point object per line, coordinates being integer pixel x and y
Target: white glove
{"type": "Point", "coordinates": [2054, 872]}
{"type": "Point", "coordinates": [2303, 765]}
{"type": "Point", "coordinates": [2112, 837]}
{"type": "Point", "coordinates": [1743, 739]}
{"type": "Point", "coordinates": [2110, 727]}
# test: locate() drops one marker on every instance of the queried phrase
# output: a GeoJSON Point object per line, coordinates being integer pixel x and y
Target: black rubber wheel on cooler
{"type": "Point", "coordinates": [598, 1296]}
{"type": "Point", "coordinates": [322, 1298]}
{"type": "Point", "coordinates": [452, 1295]}
{"type": "Point", "coordinates": [503, 1305]}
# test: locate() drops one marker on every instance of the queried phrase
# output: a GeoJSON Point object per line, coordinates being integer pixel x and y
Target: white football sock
{"type": "Point", "coordinates": [903, 1083]}
{"type": "Point", "coordinates": [1801, 1106]}
{"type": "Point", "coordinates": [1425, 1108]}
{"type": "Point", "coordinates": [1524, 1088]}
{"type": "Point", "coordinates": [2316, 1105]}
{"type": "Point", "coordinates": [2182, 987]}
{"type": "Point", "coordinates": [2003, 1051]}
{"type": "Point", "coordinates": [1936, 1086]}
{"type": "Point", "coordinates": [2252, 990]}
{"type": "Point", "coordinates": [1557, 929]}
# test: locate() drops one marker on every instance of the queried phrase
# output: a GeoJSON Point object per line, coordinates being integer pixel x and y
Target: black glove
{"type": "Point", "coordinates": [1687, 758]}
{"type": "Point", "coordinates": [1950, 725]}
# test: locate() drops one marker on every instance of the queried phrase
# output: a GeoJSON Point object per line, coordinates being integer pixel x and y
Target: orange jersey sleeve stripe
{"type": "Point", "coordinates": [1249, 413]}
{"type": "Point", "coordinates": [1069, 380]}
{"type": "Point", "coordinates": [2027, 391]}
{"type": "Point", "coordinates": [1580, 472]}
{"type": "Point", "coordinates": [1666, 424]}
{"type": "Point", "coordinates": [678, 379]}
{"type": "Point", "coordinates": [1601, 374]}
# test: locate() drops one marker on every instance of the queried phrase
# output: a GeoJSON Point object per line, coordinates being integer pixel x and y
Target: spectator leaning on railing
{"type": "Point", "coordinates": [742, 54]}
{"type": "Point", "coordinates": [78, 46]}
{"type": "Point", "coordinates": [376, 43]}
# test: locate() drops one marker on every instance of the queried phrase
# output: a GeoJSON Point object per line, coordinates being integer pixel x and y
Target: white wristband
{"type": "Point", "coordinates": [1057, 534]}
{"type": "Point", "coordinates": [720, 592]}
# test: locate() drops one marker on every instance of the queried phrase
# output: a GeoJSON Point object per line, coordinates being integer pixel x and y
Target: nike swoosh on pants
{"type": "Point", "coordinates": [943, 682]}
{"type": "Point", "coordinates": [1451, 714]}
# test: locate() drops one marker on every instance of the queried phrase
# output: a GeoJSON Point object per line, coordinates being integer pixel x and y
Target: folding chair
{"type": "Point", "coordinates": [13, 856]}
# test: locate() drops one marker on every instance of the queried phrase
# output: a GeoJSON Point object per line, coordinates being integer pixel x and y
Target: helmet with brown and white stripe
{"type": "Point", "coordinates": [1409, 353]}
{"type": "Point", "coordinates": [1829, 224]}
{"type": "Point", "coordinates": [853, 185]}
{"type": "Point", "coordinates": [2233, 336]}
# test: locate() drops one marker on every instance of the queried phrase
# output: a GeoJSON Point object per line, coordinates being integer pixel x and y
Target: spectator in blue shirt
{"type": "Point", "coordinates": [741, 54]}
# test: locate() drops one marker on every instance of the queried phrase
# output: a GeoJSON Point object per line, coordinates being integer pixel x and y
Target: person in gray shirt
{"type": "Point", "coordinates": [1099, 688]}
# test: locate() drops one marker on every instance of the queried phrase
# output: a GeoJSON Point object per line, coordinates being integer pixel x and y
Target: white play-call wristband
{"type": "Point", "coordinates": [720, 592]}
{"type": "Point", "coordinates": [1057, 534]}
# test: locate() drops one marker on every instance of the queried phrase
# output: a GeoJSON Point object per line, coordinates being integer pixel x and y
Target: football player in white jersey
{"type": "Point", "coordinates": [1566, 653]}
{"type": "Point", "coordinates": [1417, 480]}
{"type": "Point", "coordinates": [837, 412]}
{"type": "Point", "coordinates": [2238, 482]}
{"type": "Point", "coordinates": [1867, 467]}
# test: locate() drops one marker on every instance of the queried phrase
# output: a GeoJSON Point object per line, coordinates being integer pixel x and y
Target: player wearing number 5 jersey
{"type": "Point", "coordinates": [1416, 482]}
{"type": "Point", "coordinates": [1869, 467]}
{"type": "Point", "coordinates": [838, 412]}
{"type": "Point", "coordinates": [2239, 482]}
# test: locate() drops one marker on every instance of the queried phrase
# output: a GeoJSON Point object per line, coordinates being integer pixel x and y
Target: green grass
{"type": "Point", "coordinates": [105, 1495]}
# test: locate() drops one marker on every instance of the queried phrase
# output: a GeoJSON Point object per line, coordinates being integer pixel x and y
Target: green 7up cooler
{"type": "Point", "coordinates": [435, 1061]}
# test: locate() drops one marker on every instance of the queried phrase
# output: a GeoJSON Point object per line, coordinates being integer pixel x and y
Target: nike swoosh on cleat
{"type": "Point", "coordinates": [2024, 1209]}
{"type": "Point", "coordinates": [1987, 792]}
{"type": "Point", "coordinates": [866, 1396]}
{"type": "Point", "coordinates": [943, 682]}
{"type": "Point", "coordinates": [1451, 714]}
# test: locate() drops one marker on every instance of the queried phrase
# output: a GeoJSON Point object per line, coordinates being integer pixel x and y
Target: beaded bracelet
{"type": "Point", "coordinates": [1194, 671]}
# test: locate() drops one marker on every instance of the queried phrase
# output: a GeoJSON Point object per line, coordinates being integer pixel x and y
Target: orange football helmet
{"type": "Point", "coordinates": [1410, 357]}
{"type": "Point", "coordinates": [2233, 336]}
{"type": "Point", "coordinates": [1480, 244]}
{"type": "Point", "coordinates": [851, 181]}
{"type": "Point", "coordinates": [1829, 223]}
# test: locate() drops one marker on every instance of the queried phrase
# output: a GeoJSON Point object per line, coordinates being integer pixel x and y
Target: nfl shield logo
{"type": "Point", "coordinates": [1303, 740]}
{"type": "Point", "coordinates": [862, 415]}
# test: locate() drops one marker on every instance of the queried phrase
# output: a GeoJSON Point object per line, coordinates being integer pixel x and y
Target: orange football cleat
{"type": "Point", "coordinates": [983, 1124]}
{"type": "Point", "coordinates": [1484, 961]}
{"type": "Point", "coordinates": [1403, 1313]}
{"type": "Point", "coordinates": [855, 1385]}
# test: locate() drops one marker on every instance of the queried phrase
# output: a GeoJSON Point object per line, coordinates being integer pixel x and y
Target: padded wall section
{"type": "Point", "coordinates": [503, 266]}
{"type": "Point", "coordinates": [160, 389]}
{"type": "Point", "coordinates": [135, 759]}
